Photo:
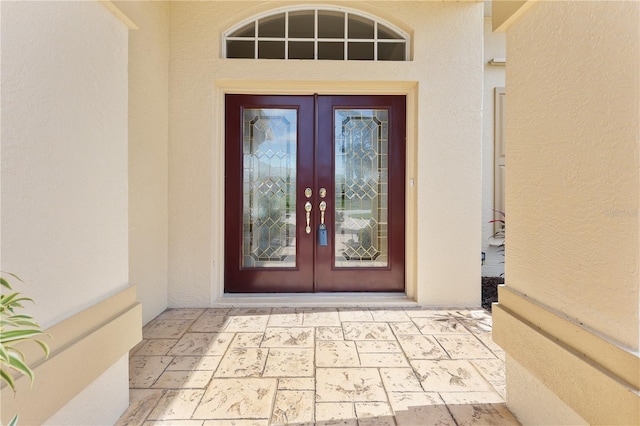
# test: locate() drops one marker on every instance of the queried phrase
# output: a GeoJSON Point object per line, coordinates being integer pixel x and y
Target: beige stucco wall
{"type": "Point", "coordinates": [573, 186]}
{"type": "Point", "coordinates": [64, 188]}
{"type": "Point", "coordinates": [444, 84]}
{"type": "Point", "coordinates": [148, 152]}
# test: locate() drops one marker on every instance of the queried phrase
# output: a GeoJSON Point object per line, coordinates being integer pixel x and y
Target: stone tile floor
{"type": "Point", "coordinates": [302, 366]}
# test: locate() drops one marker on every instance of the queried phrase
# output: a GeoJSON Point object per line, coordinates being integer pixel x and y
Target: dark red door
{"type": "Point", "coordinates": [314, 193]}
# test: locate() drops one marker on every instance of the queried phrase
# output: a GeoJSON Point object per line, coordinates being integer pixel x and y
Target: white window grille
{"type": "Point", "coordinates": [316, 34]}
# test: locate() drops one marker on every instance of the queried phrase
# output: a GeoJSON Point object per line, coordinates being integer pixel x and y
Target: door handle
{"type": "Point", "coordinates": [307, 208]}
{"type": "Point", "coordinates": [322, 229]}
{"type": "Point", "coordinates": [323, 207]}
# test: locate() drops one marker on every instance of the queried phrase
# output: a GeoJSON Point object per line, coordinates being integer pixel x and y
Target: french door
{"type": "Point", "coordinates": [314, 193]}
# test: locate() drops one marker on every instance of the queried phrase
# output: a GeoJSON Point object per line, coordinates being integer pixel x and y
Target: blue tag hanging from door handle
{"type": "Point", "coordinates": [322, 235]}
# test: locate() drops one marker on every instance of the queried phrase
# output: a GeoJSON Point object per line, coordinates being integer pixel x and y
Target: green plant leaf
{"type": "Point", "coordinates": [44, 346]}
{"type": "Point", "coordinates": [19, 335]}
{"type": "Point", "coordinates": [8, 378]}
{"type": "Point", "coordinates": [4, 283]}
{"type": "Point", "coordinates": [14, 421]}
{"type": "Point", "coordinates": [18, 364]}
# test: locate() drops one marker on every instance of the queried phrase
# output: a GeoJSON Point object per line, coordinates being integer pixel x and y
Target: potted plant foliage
{"type": "Point", "coordinates": [15, 327]}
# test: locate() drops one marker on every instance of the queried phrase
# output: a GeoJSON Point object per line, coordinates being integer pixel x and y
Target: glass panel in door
{"type": "Point", "coordinates": [361, 188]}
{"type": "Point", "coordinates": [269, 188]}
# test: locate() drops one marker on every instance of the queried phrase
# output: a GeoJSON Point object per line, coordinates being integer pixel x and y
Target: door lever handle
{"type": "Point", "coordinates": [307, 208]}
{"type": "Point", "coordinates": [323, 207]}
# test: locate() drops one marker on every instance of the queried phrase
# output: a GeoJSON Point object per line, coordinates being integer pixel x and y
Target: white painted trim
{"type": "Point", "coordinates": [258, 87]}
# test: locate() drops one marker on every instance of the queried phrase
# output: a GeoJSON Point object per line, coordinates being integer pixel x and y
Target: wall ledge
{"type": "Point", "coordinates": [82, 347]}
{"type": "Point", "coordinates": [596, 377]}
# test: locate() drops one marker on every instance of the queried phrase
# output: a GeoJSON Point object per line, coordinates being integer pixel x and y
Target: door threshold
{"type": "Point", "coordinates": [317, 300]}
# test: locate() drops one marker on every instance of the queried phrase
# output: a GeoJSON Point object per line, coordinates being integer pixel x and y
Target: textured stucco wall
{"type": "Point", "coordinates": [494, 76]}
{"type": "Point", "coordinates": [572, 179]}
{"type": "Point", "coordinates": [64, 159]}
{"type": "Point", "coordinates": [573, 187]}
{"type": "Point", "coordinates": [447, 68]}
{"type": "Point", "coordinates": [148, 153]}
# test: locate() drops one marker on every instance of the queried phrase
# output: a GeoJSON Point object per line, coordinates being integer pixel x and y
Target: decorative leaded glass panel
{"type": "Point", "coordinates": [269, 145]}
{"type": "Point", "coordinates": [361, 188]}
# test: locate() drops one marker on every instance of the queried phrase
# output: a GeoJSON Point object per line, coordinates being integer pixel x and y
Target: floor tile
{"type": "Point", "coordinates": [349, 385]}
{"type": "Point", "coordinates": [297, 383]}
{"type": "Point", "coordinates": [288, 337]}
{"type": "Point", "coordinates": [329, 333]}
{"type": "Point", "coordinates": [500, 386]}
{"type": "Point", "coordinates": [464, 346]}
{"type": "Point", "coordinates": [389, 315]}
{"type": "Point", "coordinates": [336, 354]}
{"type": "Point", "coordinates": [464, 398]}
{"type": "Point", "coordinates": [242, 362]}
{"type": "Point", "coordinates": [378, 347]}
{"type": "Point", "coordinates": [321, 317]}
{"type": "Point", "coordinates": [317, 367]}
{"type": "Point", "coordinates": [439, 325]}
{"type": "Point", "coordinates": [285, 317]}
{"type": "Point", "coordinates": [358, 315]}
{"type": "Point", "coordinates": [400, 380]}
{"type": "Point", "coordinates": [449, 376]}
{"type": "Point", "coordinates": [174, 423]}
{"type": "Point", "coordinates": [335, 412]}
{"type": "Point", "coordinates": [421, 347]}
{"type": "Point", "coordinates": [145, 370]}
{"type": "Point", "coordinates": [289, 362]}
{"type": "Point", "coordinates": [489, 343]}
{"type": "Point", "coordinates": [407, 327]}
{"type": "Point", "coordinates": [202, 344]}
{"type": "Point", "coordinates": [141, 402]}
{"type": "Point", "coordinates": [246, 323]}
{"type": "Point", "coordinates": [177, 404]}
{"type": "Point", "coordinates": [209, 324]}
{"type": "Point", "coordinates": [247, 340]}
{"type": "Point", "coordinates": [412, 409]}
{"type": "Point", "coordinates": [166, 329]}
{"type": "Point", "coordinates": [183, 380]}
{"type": "Point", "coordinates": [155, 347]}
{"type": "Point", "coordinates": [374, 414]}
{"type": "Point", "coordinates": [482, 414]}
{"type": "Point", "coordinates": [367, 331]}
{"type": "Point", "coordinates": [491, 369]}
{"type": "Point", "coordinates": [383, 360]}
{"type": "Point", "coordinates": [237, 399]}
{"type": "Point", "coordinates": [293, 407]}
{"type": "Point", "coordinates": [181, 314]}
{"type": "Point", "coordinates": [189, 363]}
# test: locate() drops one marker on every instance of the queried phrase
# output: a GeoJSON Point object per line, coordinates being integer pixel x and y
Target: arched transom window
{"type": "Point", "coordinates": [316, 33]}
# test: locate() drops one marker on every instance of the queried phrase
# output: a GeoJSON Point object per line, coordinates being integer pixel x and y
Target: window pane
{"type": "Point", "coordinates": [271, 26]}
{"type": "Point", "coordinates": [331, 50]}
{"type": "Point", "coordinates": [240, 49]}
{"type": "Point", "coordinates": [330, 24]}
{"type": "Point", "coordinates": [391, 51]}
{"type": "Point", "coordinates": [301, 24]}
{"type": "Point", "coordinates": [361, 188]}
{"type": "Point", "coordinates": [269, 188]}
{"type": "Point", "coordinates": [386, 33]}
{"type": "Point", "coordinates": [360, 51]}
{"type": "Point", "coordinates": [301, 50]}
{"type": "Point", "coordinates": [271, 49]}
{"type": "Point", "coordinates": [246, 31]}
{"type": "Point", "coordinates": [360, 27]}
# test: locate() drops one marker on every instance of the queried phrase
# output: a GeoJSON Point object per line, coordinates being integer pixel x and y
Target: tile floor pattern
{"type": "Point", "coordinates": [301, 366]}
